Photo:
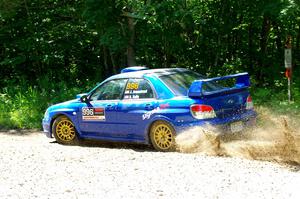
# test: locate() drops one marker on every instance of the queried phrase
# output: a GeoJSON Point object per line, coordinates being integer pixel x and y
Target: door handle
{"type": "Point", "coordinates": [110, 106]}
{"type": "Point", "coordinates": [149, 107]}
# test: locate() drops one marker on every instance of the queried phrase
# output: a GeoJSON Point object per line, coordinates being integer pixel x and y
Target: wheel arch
{"type": "Point", "coordinates": [154, 120]}
{"type": "Point", "coordinates": [55, 117]}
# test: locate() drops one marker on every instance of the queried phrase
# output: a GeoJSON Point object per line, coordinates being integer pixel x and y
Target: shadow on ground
{"type": "Point", "coordinates": [20, 132]}
{"type": "Point", "coordinates": [113, 145]}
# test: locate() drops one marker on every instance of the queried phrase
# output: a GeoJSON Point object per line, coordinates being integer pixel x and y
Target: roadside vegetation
{"type": "Point", "coordinates": [277, 101]}
{"type": "Point", "coordinates": [24, 107]}
{"type": "Point", "coordinates": [52, 50]}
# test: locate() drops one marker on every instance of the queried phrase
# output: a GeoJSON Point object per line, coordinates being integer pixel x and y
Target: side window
{"type": "Point", "coordinates": [111, 90]}
{"type": "Point", "coordinates": [138, 89]}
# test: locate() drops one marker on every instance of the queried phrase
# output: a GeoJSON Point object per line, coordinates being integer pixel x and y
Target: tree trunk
{"type": "Point", "coordinates": [279, 44]}
{"type": "Point", "coordinates": [113, 63]}
{"type": "Point", "coordinates": [106, 67]}
{"type": "Point", "coordinates": [297, 46]}
{"type": "Point", "coordinates": [217, 51]}
{"type": "Point", "coordinates": [263, 46]}
{"type": "Point", "coordinates": [264, 34]}
{"type": "Point", "coordinates": [250, 46]}
{"type": "Point", "coordinates": [131, 43]}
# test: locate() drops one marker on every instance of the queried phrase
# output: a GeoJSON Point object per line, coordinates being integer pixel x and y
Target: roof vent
{"type": "Point", "coordinates": [133, 69]}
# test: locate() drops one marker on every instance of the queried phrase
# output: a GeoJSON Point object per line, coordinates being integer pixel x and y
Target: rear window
{"type": "Point", "coordinates": [180, 82]}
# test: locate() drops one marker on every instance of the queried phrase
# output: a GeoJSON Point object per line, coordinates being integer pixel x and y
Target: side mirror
{"type": "Point", "coordinates": [78, 96]}
{"type": "Point", "coordinates": [84, 99]}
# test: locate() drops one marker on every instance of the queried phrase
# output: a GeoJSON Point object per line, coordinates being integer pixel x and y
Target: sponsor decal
{"type": "Point", "coordinates": [93, 114]}
{"type": "Point", "coordinates": [131, 97]}
{"type": "Point", "coordinates": [163, 106]}
{"type": "Point", "coordinates": [136, 91]}
{"type": "Point", "coordinates": [150, 113]}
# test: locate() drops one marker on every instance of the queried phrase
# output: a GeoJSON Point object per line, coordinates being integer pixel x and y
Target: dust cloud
{"type": "Point", "coordinates": [274, 138]}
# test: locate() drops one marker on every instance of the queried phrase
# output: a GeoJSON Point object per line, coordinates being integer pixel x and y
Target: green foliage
{"type": "Point", "coordinates": [50, 45]}
{"type": "Point", "coordinates": [23, 107]}
{"type": "Point", "coordinates": [277, 101]}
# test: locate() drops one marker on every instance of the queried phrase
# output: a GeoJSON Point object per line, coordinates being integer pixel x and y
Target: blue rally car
{"type": "Point", "coordinates": [152, 106]}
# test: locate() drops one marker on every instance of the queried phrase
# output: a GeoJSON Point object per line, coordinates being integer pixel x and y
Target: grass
{"type": "Point", "coordinates": [277, 101]}
{"type": "Point", "coordinates": [24, 107]}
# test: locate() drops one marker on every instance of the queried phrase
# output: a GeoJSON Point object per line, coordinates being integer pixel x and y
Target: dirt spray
{"type": "Point", "coordinates": [274, 138]}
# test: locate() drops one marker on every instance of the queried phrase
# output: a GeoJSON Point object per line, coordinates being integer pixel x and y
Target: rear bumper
{"type": "Point", "coordinates": [248, 118]}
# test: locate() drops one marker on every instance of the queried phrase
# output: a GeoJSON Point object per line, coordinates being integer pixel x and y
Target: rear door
{"type": "Point", "coordinates": [138, 102]}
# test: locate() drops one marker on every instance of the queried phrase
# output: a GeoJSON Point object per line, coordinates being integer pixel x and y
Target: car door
{"type": "Point", "coordinates": [98, 117]}
{"type": "Point", "coordinates": [139, 99]}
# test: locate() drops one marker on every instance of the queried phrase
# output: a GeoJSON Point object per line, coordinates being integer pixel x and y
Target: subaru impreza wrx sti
{"type": "Point", "coordinates": [152, 106]}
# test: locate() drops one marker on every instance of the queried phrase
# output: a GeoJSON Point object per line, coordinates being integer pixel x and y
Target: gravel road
{"type": "Point", "coordinates": [33, 166]}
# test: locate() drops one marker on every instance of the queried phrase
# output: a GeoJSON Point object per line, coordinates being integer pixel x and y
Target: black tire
{"type": "Point", "coordinates": [64, 131]}
{"type": "Point", "coordinates": [162, 136]}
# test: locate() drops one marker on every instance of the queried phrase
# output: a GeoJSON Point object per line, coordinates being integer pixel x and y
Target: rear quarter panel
{"type": "Point", "coordinates": [174, 111]}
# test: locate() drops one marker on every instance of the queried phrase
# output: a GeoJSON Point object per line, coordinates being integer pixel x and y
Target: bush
{"type": "Point", "coordinates": [277, 100]}
{"type": "Point", "coordinates": [24, 107]}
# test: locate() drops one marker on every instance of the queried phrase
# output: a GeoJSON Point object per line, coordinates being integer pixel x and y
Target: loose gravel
{"type": "Point", "coordinates": [33, 166]}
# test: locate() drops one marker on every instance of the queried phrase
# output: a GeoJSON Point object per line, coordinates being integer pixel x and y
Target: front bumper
{"type": "Point", "coordinates": [46, 128]}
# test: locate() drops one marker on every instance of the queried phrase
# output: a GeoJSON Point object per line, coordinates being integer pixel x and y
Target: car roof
{"type": "Point", "coordinates": [142, 73]}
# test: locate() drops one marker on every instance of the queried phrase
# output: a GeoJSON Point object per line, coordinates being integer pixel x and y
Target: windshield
{"type": "Point", "coordinates": [180, 82]}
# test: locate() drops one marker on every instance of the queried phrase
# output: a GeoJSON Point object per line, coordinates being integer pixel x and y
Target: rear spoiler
{"type": "Point", "coordinates": [242, 82]}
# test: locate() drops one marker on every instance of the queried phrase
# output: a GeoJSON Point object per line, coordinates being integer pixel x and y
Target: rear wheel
{"type": "Point", "coordinates": [162, 136]}
{"type": "Point", "coordinates": [64, 130]}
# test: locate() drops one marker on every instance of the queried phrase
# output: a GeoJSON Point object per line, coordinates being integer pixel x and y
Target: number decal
{"type": "Point", "coordinates": [132, 86]}
{"type": "Point", "coordinates": [93, 114]}
{"type": "Point", "coordinates": [87, 111]}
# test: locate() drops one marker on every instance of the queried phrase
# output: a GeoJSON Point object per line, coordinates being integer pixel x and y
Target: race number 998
{"type": "Point", "coordinates": [87, 111]}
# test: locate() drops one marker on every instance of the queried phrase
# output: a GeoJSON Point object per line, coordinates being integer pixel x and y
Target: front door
{"type": "Point", "coordinates": [98, 117]}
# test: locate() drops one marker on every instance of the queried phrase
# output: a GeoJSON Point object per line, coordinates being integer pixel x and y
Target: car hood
{"type": "Point", "coordinates": [66, 104]}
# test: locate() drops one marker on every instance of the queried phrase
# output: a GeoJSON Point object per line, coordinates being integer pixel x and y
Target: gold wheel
{"type": "Point", "coordinates": [64, 130]}
{"type": "Point", "coordinates": [162, 136]}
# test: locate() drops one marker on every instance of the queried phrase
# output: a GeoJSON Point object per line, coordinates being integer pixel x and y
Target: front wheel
{"type": "Point", "coordinates": [162, 136]}
{"type": "Point", "coordinates": [64, 130]}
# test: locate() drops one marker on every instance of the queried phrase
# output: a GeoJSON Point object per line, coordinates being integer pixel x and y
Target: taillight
{"type": "Point", "coordinates": [249, 103]}
{"type": "Point", "coordinates": [201, 111]}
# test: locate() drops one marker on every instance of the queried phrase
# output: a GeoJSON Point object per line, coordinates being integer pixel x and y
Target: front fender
{"type": "Point", "coordinates": [68, 112]}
